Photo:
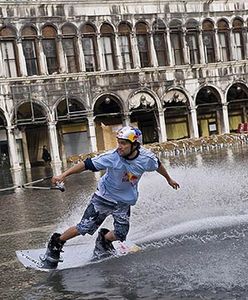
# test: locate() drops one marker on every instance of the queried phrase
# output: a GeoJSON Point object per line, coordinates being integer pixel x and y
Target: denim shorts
{"type": "Point", "coordinates": [97, 211]}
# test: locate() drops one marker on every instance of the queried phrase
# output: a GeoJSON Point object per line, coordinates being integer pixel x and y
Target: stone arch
{"type": "Point", "coordinates": [8, 30]}
{"type": "Point", "coordinates": [31, 118]}
{"type": "Point", "coordinates": [24, 30]}
{"type": "Point", "coordinates": [192, 24]}
{"type": "Point", "coordinates": [49, 25]}
{"type": "Point", "coordinates": [107, 103]}
{"type": "Point", "coordinates": [31, 111]}
{"type": "Point", "coordinates": [208, 101]}
{"type": "Point", "coordinates": [236, 18]}
{"type": "Point", "coordinates": [158, 24]}
{"type": "Point", "coordinates": [70, 108]}
{"type": "Point", "coordinates": [108, 117]}
{"type": "Point", "coordinates": [4, 149]}
{"type": "Point", "coordinates": [143, 107]}
{"type": "Point", "coordinates": [83, 28]}
{"type": "Point", "coordinates": [89, 32]}
{"type": "Point", "coordinates": [127, 23]}
{"type": "Point", "coordinates": [225, 20]}
{"type": "Point", "coordinates": [152, 97]}
{"type": "Point", "coordinates": [237, 100]}
{"type": "Point", "coordinates": [176, 104]}
{"type": "Point", "coordinates": [66, 27]}
{"type": "Point", "coordinates": [107, 27]}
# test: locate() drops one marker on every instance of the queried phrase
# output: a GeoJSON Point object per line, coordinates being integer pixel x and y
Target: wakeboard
{"type": "Point", "coordinates": [74, 256]}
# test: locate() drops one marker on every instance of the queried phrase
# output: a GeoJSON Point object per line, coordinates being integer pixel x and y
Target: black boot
{"type": "Point", "coordinates": [52, 255]}
{"type": "Point", "coordinates": [103, 247]}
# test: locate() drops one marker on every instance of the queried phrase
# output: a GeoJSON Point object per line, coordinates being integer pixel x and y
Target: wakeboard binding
{"type": "Point", "coordinates": [52, 256]}
{"type": "Point", "coordinates": [103, 248]}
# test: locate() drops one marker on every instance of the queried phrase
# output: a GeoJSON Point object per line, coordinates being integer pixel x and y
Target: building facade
{"type": "Point", "coordinates": [72, 73]}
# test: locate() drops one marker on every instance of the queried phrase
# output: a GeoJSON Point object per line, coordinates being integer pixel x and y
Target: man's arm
{"type": "Point", "coordinates": [162, 171]}
{"type": "Point", "coordinates": [78, 168]}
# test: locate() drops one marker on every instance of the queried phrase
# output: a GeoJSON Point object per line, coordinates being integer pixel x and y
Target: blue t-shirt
{"type": "Point", "coordinates": [120, 181]}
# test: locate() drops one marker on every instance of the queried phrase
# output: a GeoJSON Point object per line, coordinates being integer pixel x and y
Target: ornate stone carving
{"type": "Point", "coordinates": [141, 99]}
{"type": "Point", "coordinates": [175, 96]}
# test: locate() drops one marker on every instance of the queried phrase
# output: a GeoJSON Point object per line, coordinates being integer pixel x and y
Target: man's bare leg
{"type": "Point", "coordinates": [69, 234]}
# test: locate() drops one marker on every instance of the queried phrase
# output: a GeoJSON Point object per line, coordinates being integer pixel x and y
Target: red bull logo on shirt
{"type": "Point", "coordinates": [129, 177]}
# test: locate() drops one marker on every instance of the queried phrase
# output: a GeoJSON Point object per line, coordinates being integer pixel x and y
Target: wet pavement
{"type": "Point", "coordinates": [194, 239]}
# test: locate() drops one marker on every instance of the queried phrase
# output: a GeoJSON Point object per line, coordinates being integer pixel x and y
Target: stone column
{"type": "Point", "coordinates": [118, 53]}
{"type": "Point", "coordinates": [244, 113]}
{"type": "Point", "coordinates": [201, 49]}
{"type": "Point", "coordinates": [194, 124]}
{"type": "Point", "coordinates": [42, 58]}
{"type": "Point", "coordinates": [13, 155]}
{"type": "Point", "coordinates": [225, 123]}
{"type": "Point", "coordinates": [62, 147]}
{"type": "Point", "coordinates": [233, 50]}
{"type": "Point", "coordinates": [54, 146]}
{"type": "Point", "coordinates": [92, 132]}
{"type": "Point", "coordinates": [162, 128]}
{"type": "Point", "coordinates": [170, 56]}
{"type": "Point", "coordinates": [81, 60]}
{"type": "Point", "coordinates": [63, 67]}
{"type": "Point", "coordinates": [21, 57]}
{"type": "Point", "coordinates": [126, 119]}
{"type": "Point", "coordinates": [2, 66]}
{"type": "Point", "coordinates": [100, 49]}
{"type": "Point", "coordinates": [154, 59]}
{"type": "Point", "coordinates": [245, 39]}
{"type": "Point", "coordinates": [25, 149]}
{"type": "Point", "coordinates": [135, 51]}
{"type": "Point", "coordinates": [186, 56]}
{"type": "Point", "coordinates": [217, 43]}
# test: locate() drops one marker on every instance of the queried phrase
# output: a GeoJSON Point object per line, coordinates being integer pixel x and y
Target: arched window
{"type": "Point", "coordinates": [224, 39]}
{"type": "Point", "coordinates": [29, 45]}
{"type": "Point", "coordinates": [192, 38]}
{"type": "Point", "coordinates": [70, 49]}
{"type": "Point", "coordinates": [143, 44]}
{"type": "Point", "coordinates": [238, 51]}
{"type": "Point", "coordinates": [108, 46]}
{"type": "Point", "coordinates": [160, 45]}
{"type": "Point", "coordinates": [124, 31]}
{"type": "Point", "coordinates": [50, 48]}
{"type": "Point", "coordinates": [9, 51]}
{"type": "Point", "coordinates": [90, 48]}
{"type": "Point", "coordinates": [176, 41]}
{"type": "Point", "coordinates": [208, 41]}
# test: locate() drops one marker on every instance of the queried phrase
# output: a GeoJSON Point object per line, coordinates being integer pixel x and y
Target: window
{"type": "Point", "coordinates": [50, 48]}
{"type": "Point", "coordinates": [89, 48]}
{"type": "Point", "coordinates": [160, 45]}
{"type": "Point", "coordinates": [176, 41]}
{"type": "Point", "coordinates": [192, 37]}
{"type": "Point", "coordinates": [238, 51]}
{"type": "Point", "coordinates": [125, 45]}
{"type": "Point", "coordinates": [224, 39]}
{"type": "Point", "coordinates": [69, 46]}
{"type": "Point", "coordinates": [30, 50]}
{"type": "Point", "coordinates": [143, 44]}
{"type": "Point", "coordinates": [107, 40]}
{"type": "Point", "coordinates": [208, 41]}
{"type": "Point", "coordinates": [8, 51]}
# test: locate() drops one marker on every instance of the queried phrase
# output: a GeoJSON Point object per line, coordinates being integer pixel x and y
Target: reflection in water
{"type": "Point", "coordinates": [194, 239]}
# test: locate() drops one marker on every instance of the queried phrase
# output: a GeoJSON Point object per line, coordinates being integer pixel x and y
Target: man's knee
{"type": "Point", "coordinates": [90, 221]}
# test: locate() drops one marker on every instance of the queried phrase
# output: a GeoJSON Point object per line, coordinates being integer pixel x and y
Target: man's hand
{"type": "Point", "coordinates": [59, 178]}
{"type": "Point", "coordinates": [162, 171]}
{"type": "Point", "coordinates": [173, 184]}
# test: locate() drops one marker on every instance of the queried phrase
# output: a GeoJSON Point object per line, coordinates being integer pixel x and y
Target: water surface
{"type": "Point", "coordinates": [194, 239]}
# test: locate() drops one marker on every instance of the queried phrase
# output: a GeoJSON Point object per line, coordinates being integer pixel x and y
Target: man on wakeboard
{"type": "Point", "coordinates": [115, 194]}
